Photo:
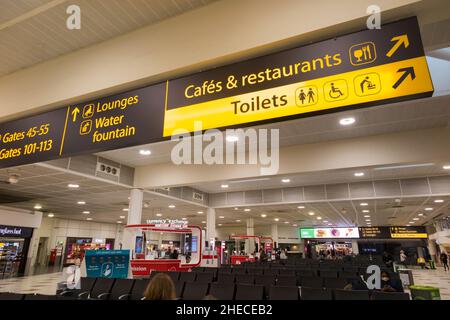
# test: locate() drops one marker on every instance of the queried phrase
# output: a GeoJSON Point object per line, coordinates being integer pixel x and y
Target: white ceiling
{"type": "Point", "coordinates": [33, 31]}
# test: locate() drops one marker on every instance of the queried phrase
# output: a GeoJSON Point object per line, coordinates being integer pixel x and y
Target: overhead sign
{"type": "Point", "coordinates": [408, 233]}
{"type": "Point", "coordinates": [107, 263]}
{"type": "Point", "coordinates": [365, 68]}
{"type": "Point", "coordinates": [329, 233]}
{"type": "Point", "coordinates": [393, 232]}
{"type": "Point", "coordinates": [169, 224]}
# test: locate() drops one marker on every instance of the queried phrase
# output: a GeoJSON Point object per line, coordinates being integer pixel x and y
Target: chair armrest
{"type": "Point", "coordinates": [124, 297]}
{"type": "Point", "coordinates": [101, 295]}
{"type": "Point", "coordinates": [82, 294]}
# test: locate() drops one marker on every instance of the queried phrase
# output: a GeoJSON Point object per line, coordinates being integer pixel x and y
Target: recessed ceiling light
{"type": "Point", "coordinates": [276, 219]}
{"type": "Point", "coordinates": [325, 221]}
{"type": "Point", "coordinates": [159, 215]}
{"type": "Point", "coordinates": [295, 225]}
{"type": "Point", "coordinates": [446, 167]}
{"type": "Point", "coordinates": [311, 213]}
{"type": "Point", "coordinates": [81, 202]}
{"type": "Point", "coordinates": [415, 219]}
{"type": "Point", "coordinates": [221, 217]}
{"type": "Point", "coordinates": [236, 208]}
{"type": "Point", "coordinates": [367, 216]}
{"type": "Point", "coordinates": [73, 185]}
{"type": "Point", "coordinates": [330, 224]}
{"type": "Point", "coordinates": [285, 180]}
{"type": "Point", "coordinates": [231, 138]}
{"type": "Point", "coordinates": [286, 222]}
{"type": "Point", "coordinates": [171, 206]}
{"type": "Point", "coordinates": [119, 222]}
{"type": "Point", "coordinates": [347, 121]}
{"type": "Point", "coordinates": [319, 218]}
{"type": "Point", "coordinates": [420, 214]}
{"type": "Point", "coordinates": [184, 219]}
{"type": "Point", "coordinates": [358, 174]}
{"type": "Point", "coordinates": [238, 220]}
{"type": "Point", "coordinates": [219, 224]}
{"type": "Point", "coordinates": [438, 201]}
{"type": "Point", "coordinates": [125, 209]}
{"type": "Point", "coordinates": [301, 207]}
{"type": "Point", "coordinates": [247, 210]}
{"type": "Point", "coordinates": [366, 211]}
{"type": "Point", "coordinates": [263, 215]}
{"type": "Point", "coordinates": [122, 217]}
{"type": "Point", "coordinates": [89, 219]}
{"type": "Point", "coordinates": [203, 221]}
{"type": "Point", "coordinates": [408, 225]}
{"type": "Point", "coordinates": [363, 204]}
{"type": "Point", "coordinates": [412, 222]}
{"type": "Point", "coordinates": [145, 152]}
{"type": "Point", "coordinates": [200, 212]}
{"type": "Point", "coordinates": [50, 215]}
{"type": "Point", "coordinates": [86, 212]}
{"type": "Point", "coordinates": [428, 209]}
{"type": "Point", "coordinates": [368, 220]}
{"type": "Point", "coordinates": [224, 186]}
{"type": "Point", "coordinates": [37, 206]}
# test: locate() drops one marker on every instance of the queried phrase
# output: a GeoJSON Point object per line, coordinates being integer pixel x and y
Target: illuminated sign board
{"type": "Point", "coordinates": [329, 233]}
{"type": "Point", "coordinates": [393, 233]}
{"type": "Point", "coordinates": [365, 68]}
{"type": "Point", "coordinates": [171, 224]}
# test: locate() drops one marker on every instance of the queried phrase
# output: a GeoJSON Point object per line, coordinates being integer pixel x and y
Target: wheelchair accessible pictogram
{"type": "Point", "coordinates": [335, 90]}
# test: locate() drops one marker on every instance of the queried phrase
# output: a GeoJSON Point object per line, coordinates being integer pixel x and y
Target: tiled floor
{"type": "Point", "coordinates": [47, 283]}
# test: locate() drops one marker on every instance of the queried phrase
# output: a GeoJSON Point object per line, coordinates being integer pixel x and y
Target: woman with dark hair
{"type": "Point", "coordinates": [161, 287]}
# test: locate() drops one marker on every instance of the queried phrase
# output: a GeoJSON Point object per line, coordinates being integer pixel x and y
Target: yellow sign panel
{"type": "Point", "coordinates": [409, 235]}
{"type": "Point", "coordinates": [393, 80]}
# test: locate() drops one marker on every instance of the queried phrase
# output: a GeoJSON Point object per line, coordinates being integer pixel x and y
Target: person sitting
{"type": "Point", "coordinates": [174, 254]}
{"type": "Point", "coordinates": [161, 287]}
{"type": "Point", "coordinates": [390, 285]}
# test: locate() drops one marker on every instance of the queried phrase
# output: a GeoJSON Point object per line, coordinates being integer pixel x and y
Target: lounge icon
{"type": "Point", "coordinates": [88, 111]}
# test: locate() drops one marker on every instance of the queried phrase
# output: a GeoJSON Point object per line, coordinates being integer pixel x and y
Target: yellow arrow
{"type": "Point", "coordinates": [75, 112]}
{"type": "Point", "coordinates": [402, 39]}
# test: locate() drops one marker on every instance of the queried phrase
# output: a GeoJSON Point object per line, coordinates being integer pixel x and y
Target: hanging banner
{"type": "Point", "coordinates": [360, 69]}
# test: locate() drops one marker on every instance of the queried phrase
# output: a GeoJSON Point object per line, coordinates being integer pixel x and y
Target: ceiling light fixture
{"type": "Point", "coordinates": [145, 152]}
{"type": "Point", "coordinates": [203, 221]}
{"type": "Point", "coordinates": [184, 219]}
{"type": "Point", "coordinates": [73, 185]}
{"type": "Point", "coordinates": [263, 215]}
{"type": "Point", "coordinates": [231, 138]}
{"type": "Point", "coordinates": [363, 204]}
{"type": "Point", "coordinates": [224, 186]}
{"type": "Point", "coordinates": [367, 216]}
{"type": "Point", "coordinates": [412, 222]}
{"type": "Point", "coordinates": [247, 210]}
{"type": "Point", "coordinates": [301, 207]}
{"type": "Point", "coordinates": [276, 219]}
{"type": "Point", "coordinates": [89, 219]}
{"type": "Point", "coordinates": [81, 202]}
{"type": "Point", "coordinates": [125, 209]}
{"type": "Point", "coordinates": [368, 220]}
{"type": "Point", "coordinates": [330, 224]}
{"type": "Point", "coordinates": [358, 174]}
{"type": "Point", "coordinates": [347, 121]}
{"type": "Point", "coordinates": [405, 166]}
{"type": "Point", "coordinates": [238, 220]}
{"type": "Point", "coordinates": [219, 224]}
{"type": "Point", "coordinates": [86, 212]}
{"type": "Point", "coordinates": [50, 215]}
{"type": "Point", "coordinates": [311, 213]}
{"type": "Point", "coordinates": [325, 221]}
{"type": "Point", "coordinates": [415, 219]}
{"type": "Point", "coordinates": [200, 212]}
{"type": "Point", "coordinates": [319, 218]}
{"type": "Point", "coordinates": [119, 222]}
{"type": "Point", "coordinates": [159, 215]}
{"type": "Point", "coordinates": [37, 206]}
{"type": "Point", "coordinates": [446, 167]}
{"type": "Point", "coordinates": [428, 209]}
{"type": "Point", "coordinates": [171, 206]}
{"type": "Point", "coordinates": [438, 201]}
{"type": "Point", "coordinates": [366, 211]}
{"type": "Point", "coordinates": [286, 222]}
{"type": "Point", "coordinates": [420, 214]}
{"type": "Point", "coordinates": [285, 180]}
{"type": "Point", "coordinates": [236, 208]}
{"type": "Point", "coordinates": [295, 225]}
{"type": "Point", "coordinates": [221, 217]}
{"type": "Point", "coordinates": [122, 217]}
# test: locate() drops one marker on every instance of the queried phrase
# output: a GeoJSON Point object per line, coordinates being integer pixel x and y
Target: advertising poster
{"type": "Point", "coordinates": [107, 263]}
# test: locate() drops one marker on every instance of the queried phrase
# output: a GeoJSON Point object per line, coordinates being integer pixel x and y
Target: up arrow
{"type": "Point", "coordinates": [402, 39]}
{"type": "Point", "coordinates": [406, 72]}
{"type": "Point", "coordinates": [75, 112]}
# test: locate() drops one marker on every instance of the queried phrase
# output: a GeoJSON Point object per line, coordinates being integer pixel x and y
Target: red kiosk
{"type": "Point", "coordinates": [150, 255]}
{"type": "Point", "coordinates": [248, 257]}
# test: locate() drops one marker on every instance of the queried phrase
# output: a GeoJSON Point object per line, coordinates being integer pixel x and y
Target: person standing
{"type": "Point", "coordinates": [444, 260]}
{"type": "Point", "coordinates": [403, 258]}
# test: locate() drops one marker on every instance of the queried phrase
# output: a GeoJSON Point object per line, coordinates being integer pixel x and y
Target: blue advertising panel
{"type": "Point", "coordinates": [107, 263]}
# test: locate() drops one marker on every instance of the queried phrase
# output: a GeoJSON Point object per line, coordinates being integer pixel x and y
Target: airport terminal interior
{"type": "Point", "coordinates": [240, 150]}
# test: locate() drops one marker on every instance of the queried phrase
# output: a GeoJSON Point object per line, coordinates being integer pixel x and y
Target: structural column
{"type": "Point", "coordinates": [134, 217]}
{"type": "Point", "coordinates": [210, 226]}
{"type": "Point", "coordinates": [250, 243]}
{"type": "Point", "coordinates": [274, 234]}
{"type": "Point", "coordinates": [355, 248]}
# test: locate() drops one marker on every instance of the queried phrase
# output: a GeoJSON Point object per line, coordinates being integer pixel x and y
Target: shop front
{"type": "Point", "coordinates": [76, 248]}
{"type": "Point", "coordinates": [14, 244]}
